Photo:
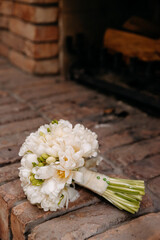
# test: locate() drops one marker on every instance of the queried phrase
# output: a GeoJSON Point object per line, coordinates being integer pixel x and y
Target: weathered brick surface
{"type": "Point", "coordinates": [13, 107]}
{"type": "Point", "coordinates": [129, 141]}
{"type": "Point", "coordinates": [18, 116]}
{"type": "Point", "coordinates": [9, 155]}
{"type": "Point", "coordinates": [20, 126]}
{"type": "Point", "coordinates": [4, 50]}
{"type": "Point", "coordinates": [42, 90]}
{"type": "Point", "coordinates": [35, 14]}
{"type": "Point", "coordinates": [145, 169]}
{"type": "Point", "coordinates": [80, 224]}
{"type": "Point", "coordinates": [50, 66]}
{"type": "Point", "coordinates": [6, 7]}
{"type": "Point", "coordinates": [131, 122]}
{"type": "Point", "coordinates": [25, 216]}
{"type": "Point", "coordinates": [145, 227]}
{"type": "Point", "coordinates": [154, 186]}
{"type": "Point", "coordinates": [10, 193]}
{"type": "Point", "coordinates": [40, 50]}
{"type": "Point", "coordinates": [39, 1]}
{"type": "Point", "coordinates": [9, 173]}
{"type": "Point", "coordinates": [134, 152]}
{"type": "Point", "coordinates": [4, 22]}
{"type": "Point", "coordinates": [33, 32]}
{"type": "Point", "coordinates": [6, 99]}
{"type": "Point", "coordinates": [14, 139]}
{"type": "Point", "coordinates": [126, 137]}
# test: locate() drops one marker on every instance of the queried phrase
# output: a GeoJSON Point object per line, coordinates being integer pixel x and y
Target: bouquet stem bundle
{"type": "Point", "coordinates": [125, 194]}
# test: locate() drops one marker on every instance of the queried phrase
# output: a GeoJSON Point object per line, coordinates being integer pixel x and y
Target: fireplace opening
{"type": "Point", "coordinates": [114, 46]}
{"type": "Point", "coordinates": [110, 45]}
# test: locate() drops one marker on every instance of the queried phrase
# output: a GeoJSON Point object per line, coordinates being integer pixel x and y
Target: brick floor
{"type": "Point", "coordinates": [129, 142]}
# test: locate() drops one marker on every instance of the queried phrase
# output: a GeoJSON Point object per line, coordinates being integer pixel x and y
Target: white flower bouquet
{"type": "Point", "coordinates": [57, 156]}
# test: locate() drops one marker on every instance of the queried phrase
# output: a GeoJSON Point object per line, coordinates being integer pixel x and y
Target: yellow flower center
{"type": "Point", "coordinates": [61, 173]}
{"type": "Point", "coordinates": [65, 159]}
{"type": "Point", "coordinates": [76, 149]}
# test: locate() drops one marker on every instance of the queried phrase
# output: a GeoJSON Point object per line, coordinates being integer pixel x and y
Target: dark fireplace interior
{"type": "Point", "coordinates": [114, 46]}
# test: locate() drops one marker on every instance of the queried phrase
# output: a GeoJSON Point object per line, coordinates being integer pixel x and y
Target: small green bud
{"type": "Point", "coordinates": [48, 130]}
{"type": "Point", "coordinates": [35, 182]}
{"type": "Point", "coordinates": [104, 179]}
{"type": "Point", "coordinates": [54, 121]}
{"type": "Point", "coordinates": [34, 164]}
{"type": "Point", "coordinates": [40, 159]}
{"type": "Point", "coordinates": [44, 155]}
{"type": "Point", "coordinates": [98, 177]}
{"type": "Point", "coordinates": [40, 164]}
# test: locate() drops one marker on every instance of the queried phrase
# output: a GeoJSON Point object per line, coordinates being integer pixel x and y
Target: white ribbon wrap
{"type": "Point", "coordinates": [94, 181]}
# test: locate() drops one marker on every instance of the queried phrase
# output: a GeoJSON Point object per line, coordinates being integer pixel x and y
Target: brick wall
{"type": "Point", "coordinates": [29, 34]}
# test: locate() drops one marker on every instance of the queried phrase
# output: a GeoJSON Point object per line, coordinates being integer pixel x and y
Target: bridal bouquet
{"type": "Point", "coordinates": [57, 156]}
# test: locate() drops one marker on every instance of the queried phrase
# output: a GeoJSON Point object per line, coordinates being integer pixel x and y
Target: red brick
{"type": "Point", "coordinates": [2, 92]}
{"type": "Point", "coordinates": [9, 155]}
{"type": "Point", "coordinates": [10, 193]}
{"type": "Point", "coordinates": [154, 186]}
{"type": "Point", "coordinates": [9, 173]}
{"type": "Point", "coordinates": [4, 50]}
{"type": "Point", "coordinates": [18, 116]}
{"type": "Point", "coordinates": [13, 107]}
{"type": "Point", "coordinates": [40, 50]}
{"type": "Point", "coordinates": [14, 139]}
{"type": "Point", "coordinates": [145, 227]}
{"type": "Point", "coordinates": [47, 66]}
{"type": "Point", "coordinates": [24, 216]}
{"type": "Point", "coordinates": [80, 224]}
{"type": "Point", "coordinates": [134, 152]}
{"type": "Point", "coordinates": [50, 66]}
{"type": "Point", "coordinates": [64, 96]}
{"type": "Point", "coordinates": [33, 83]}
{"type": "Point", "coordinates": [126, 137]}
{"type": "Point", "coordinates": [39, 1]}
{"type": "Point", "coordinates": [147, 204]}
{"type": "Point", "coordinates": [138, 121]}
{"type": "Point", "coordinates": [43, 90]}
{"type": "Point", "coordinates": [21, 126]}
{"type": "Point", "coordinates": [6, 7]}
{"type": "Point", "coordinates": [35, 14]}
{"type": "Point", "coordinates": [4, 22]}
{"type": "Point", "coordinates": [12, 40]}
{"type": "Point", "coordinates": [145, 169]}
{"type": "Point", "coordinates": [33, 32]}
{"type": "Point", "coordinates": [6, 100]}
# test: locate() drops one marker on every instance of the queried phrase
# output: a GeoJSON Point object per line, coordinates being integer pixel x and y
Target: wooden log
{"type": "Point", "coordinates": [142, 26]}
{"type": "Point", "coordinates": [132, 45]}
